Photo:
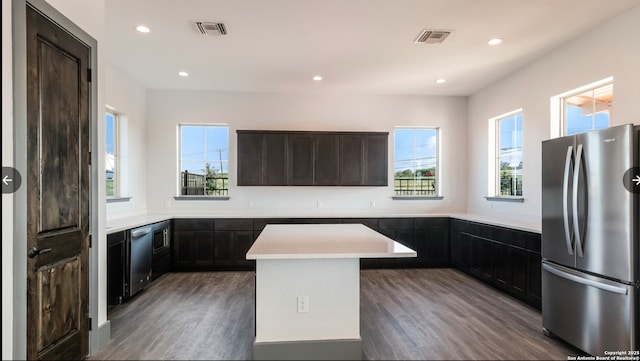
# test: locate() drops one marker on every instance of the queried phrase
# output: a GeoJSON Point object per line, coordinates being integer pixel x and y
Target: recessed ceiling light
{"type": "Point", "coordinates": [494, 41]}
{"type": "Point", "coordinates": [317, 78]}
{"type": "Point", "coordinates": [143, 29]}
{"type": "Point", "coordinates": [183, 73]}
{"type": "Point", "coordinates": [440, 81]}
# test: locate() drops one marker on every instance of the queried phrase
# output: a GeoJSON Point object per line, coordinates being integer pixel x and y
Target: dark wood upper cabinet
{"type": "Point", "coordinates": [327, 169]}
{"type": "Point", "coordinates": [301, 155]}
{"type": "Point", "coordinates": [376, 153]}
{"type": "Point", "coordinates": [249, 159]}
{"type": "Point", "coordinates": [274, 160]}
{"type": "Point", "coordinates": [296, 158]}
{"type": "Point", "coordinates": [352, 159]}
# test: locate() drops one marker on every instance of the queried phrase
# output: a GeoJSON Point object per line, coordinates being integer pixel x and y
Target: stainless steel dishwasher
{"type": "Point", "coordinates": [140, 259]}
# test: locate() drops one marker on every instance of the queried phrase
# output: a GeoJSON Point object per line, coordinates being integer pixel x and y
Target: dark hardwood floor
{"type": "Point", "coordinates": [419, 314]}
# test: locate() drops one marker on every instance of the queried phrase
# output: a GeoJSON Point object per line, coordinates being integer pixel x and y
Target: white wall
{"type": "Point", "coordinates": [166, 109]}
{"type": "Point", "coordinates": [128, 98]}
{"type": "Point", "coordinates": [609, 50]}
{"type": "Point", "coordinates": [7, 199]}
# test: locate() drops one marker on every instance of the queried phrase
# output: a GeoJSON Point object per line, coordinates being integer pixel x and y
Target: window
{"type": "Point", "coordinates": [508, 161]}
{"type": "Point", "coordinates": [585, 110]}
{"type": "Point", "coordinates": [112, 154]}
{"type": "Point", "coordinates": [416, 161]}
{"type": "Point", "coordinates": [204, 160]}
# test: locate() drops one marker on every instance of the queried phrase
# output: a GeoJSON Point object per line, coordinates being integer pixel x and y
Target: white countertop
{"type": "Point", "coordinates": [122, 224]}
{"type": "Point", "coordinates": [312, 241]}
{"type": "Point", "coordinates": [530, 225]}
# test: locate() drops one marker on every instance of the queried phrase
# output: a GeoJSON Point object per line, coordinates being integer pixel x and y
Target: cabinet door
{"type": "Point", "coordinates": [502, 260]}
{"type": "Point", "coordinates": [376, 162]}
{"type": "Point", "coordinates": [274, 166]}
{"type": "Point", "coordinates": [432, 235]}
{"type": "Point", "coordinates": [249, 159]}
{"type": "Point", "coordinates": [351, 159]}
{"type": "Point", "coordinates": [116, 267]}
{"type": "Point", "coordinates": [482, 252]}
{"type": "Point", "coordinates": [224, 248]}
{"type": "Point", "coordinates": [327, 163]}
{"type": "Point", "coordinates": [300, 149]}
{"type": "Point", "coordinates": [534, 279]}
{"type": "Point", "coordinates": [192, 248]}
{"type": "Point", "coordinates": [518, 283]}
{"type": "Point", "coordinates": [243, 240]}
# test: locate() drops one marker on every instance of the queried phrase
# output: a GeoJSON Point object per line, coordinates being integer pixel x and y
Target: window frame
{"type": "Point", "coordinates": [563, 100]}
{"type": "Point", "coordinates": [437, 195]}
{"type": "Point", "coordinates": [495, 165]}
{"type": "Point", "coordinates": [117, 169]}
{"type": "Point", "coordinates": [179, 173]}
{"type": "Point", "coordinates": [556, 105]}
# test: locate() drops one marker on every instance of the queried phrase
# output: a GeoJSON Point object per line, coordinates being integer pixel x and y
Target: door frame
{"type": "Point", "coordinates": [97, 336]}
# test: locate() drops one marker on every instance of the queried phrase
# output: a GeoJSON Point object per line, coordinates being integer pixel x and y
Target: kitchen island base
{"type": "Point", "coordinates": [308, 289]}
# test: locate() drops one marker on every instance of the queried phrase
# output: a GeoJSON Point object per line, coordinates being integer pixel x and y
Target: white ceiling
{"type": "Point", "coordinates": [358, 46]}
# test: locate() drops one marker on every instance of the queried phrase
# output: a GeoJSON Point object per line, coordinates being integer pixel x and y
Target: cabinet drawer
{"type": "Point", "coordinates": [233, 224]}
{"type": "Point", "coordinates": [427, 223]}
{"type": "Point", "coordinates": [116, 238]}
{"type": "Point", "coordinates": [193, 224]}
{"type": "Point", "coordinates": [395, 223]}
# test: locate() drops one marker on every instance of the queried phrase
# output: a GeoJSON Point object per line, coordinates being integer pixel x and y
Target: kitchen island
{"type": "Point", "coordinates": [308, 288]}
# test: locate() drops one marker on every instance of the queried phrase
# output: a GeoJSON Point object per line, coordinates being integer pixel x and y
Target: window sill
{"type": "Point", "coordinates": [417, 198]}
{"type": "Point", "coordinates": [118, 199]}
{"type": "Point", "coordinates": [505, 199]}
{"type": "Point", "coordinates": [202, 198]}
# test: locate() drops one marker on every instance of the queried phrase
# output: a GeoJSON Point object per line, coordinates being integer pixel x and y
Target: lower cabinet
{"type": "Point", "coordinates": [192, 243]}
{"type": "Point", "coordinates": [507, 259]}
{"type": "Point", "coordinates": [212, 244]}
{"type": "Point", "coordinates": [504, 258]}
{"type": "Point", "coordinates": [232, 239]}
{"type": "Point", "coordinates": [117, 267]}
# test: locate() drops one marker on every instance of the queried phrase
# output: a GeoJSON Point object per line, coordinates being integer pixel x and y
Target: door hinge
{"type": "Point", "coordinates": [90, 323]}
{"type": "Point", "coordinates": [89, 75]}
{"type": "Point", "coordinates": [90, 241]}
{"type": "Point", "coordinates": [89, 158]}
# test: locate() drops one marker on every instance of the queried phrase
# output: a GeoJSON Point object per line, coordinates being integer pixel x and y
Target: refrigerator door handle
{"type": "Point", "coordinates": [576, 220]}
{"type": "Point", "coordinates": [565, 201]}
{"type": "Point", "coordinates": [584, 281]}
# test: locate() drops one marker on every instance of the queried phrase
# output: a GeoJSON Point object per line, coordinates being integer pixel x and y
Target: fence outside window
{"type": "Point", "coordinates": [192, 184]}
{"type": "Point", "coordinates": [415, 186]}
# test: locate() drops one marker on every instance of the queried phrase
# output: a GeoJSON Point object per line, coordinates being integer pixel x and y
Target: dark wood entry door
{"type": "Point", "coordinates": [57, 191]}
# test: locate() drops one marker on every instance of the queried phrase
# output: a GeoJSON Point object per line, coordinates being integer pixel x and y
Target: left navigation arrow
{"type": "Point", "coordinates": [11, 180]}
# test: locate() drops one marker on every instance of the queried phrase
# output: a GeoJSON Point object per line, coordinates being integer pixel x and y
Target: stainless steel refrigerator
{"type": "Point", "coordinates": [590, 247]}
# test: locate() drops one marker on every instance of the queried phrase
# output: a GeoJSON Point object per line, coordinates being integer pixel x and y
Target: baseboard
{"type": "Point", "coordinates": [344, 349]}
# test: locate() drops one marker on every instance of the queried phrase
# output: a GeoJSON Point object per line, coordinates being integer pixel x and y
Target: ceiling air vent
{"type": "Point", "coordinates": [211, 29]}
{"type": "Point", "coordinates": [431, 36]}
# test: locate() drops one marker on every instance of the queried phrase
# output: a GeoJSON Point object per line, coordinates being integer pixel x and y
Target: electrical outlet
{"type": "Point", "coordinates": [303, 304]}
{"type": "Point", "coordinates": [372, 204]}
{"type": "Point", "coordinates": [319, 204]}
{"type": "Point", "coordinates": [251, 204]}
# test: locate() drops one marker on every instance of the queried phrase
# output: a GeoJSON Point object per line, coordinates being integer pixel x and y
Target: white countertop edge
{"type": "Point", "coordinates": [280, 256]}
{"type": "Point", "coordinates": [534, 227]}
{"type": "Point", "coordinates": [124, 223]}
